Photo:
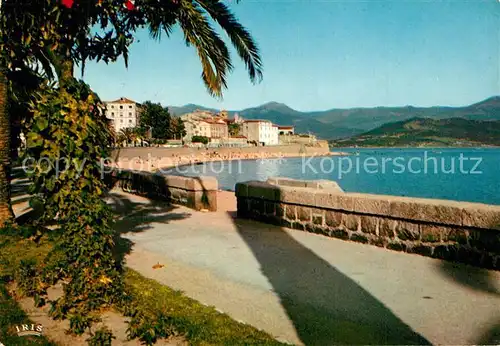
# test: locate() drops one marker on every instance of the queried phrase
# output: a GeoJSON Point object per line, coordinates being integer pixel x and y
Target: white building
{"type": "Point", "coordinates": [263, 132]}
{"type": "Point", "coordinates": [206, 124]}
{"type": "Point", "coordinates": [123, 113]}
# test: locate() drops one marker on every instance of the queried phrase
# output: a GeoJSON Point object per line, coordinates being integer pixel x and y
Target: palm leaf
{"type": "Point", "coordinates": [212, 51]}
{"type": "Point", "coordinates": [241, 39]}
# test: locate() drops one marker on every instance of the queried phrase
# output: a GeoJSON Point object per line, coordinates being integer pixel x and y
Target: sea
{"type": "Point", "coordinates": [461, 174]}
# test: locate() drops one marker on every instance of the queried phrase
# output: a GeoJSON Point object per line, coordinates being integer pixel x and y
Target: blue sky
{"type": "Point", "coordinates": [330, 54]}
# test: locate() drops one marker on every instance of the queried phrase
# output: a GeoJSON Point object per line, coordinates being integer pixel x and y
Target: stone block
{"type": "Point", "coordinates": [304, 214]}
{"type": "Point", "coordinates": [497, 263]}
{"type": "Point", "coordinates": [339, 233]}
{"type": "Point", "coordinates": [257, 206]}
{"type": "Point", "coordinates": [272, 180]}
{"type": "Point", "coordinates": [299, 226]}
{"type": "Point", "coordinates": [387, 228]}
{"type": "Point", "coordinates": [270, 208]}
{"type": "Point", "coordinates": [488, 260]}
{"type": "Point", "coordinates": [432, 233]}
{"type": "Point", "coordinates": [484, 239]}
{"type": "Point", "coordinates": [312, 184]}
{"type": "Point", "coordinates": [286, 223]}
{"type": "Point", "coordinates": [333, 200]}
{"type": "Point", "coordinates": [258, 189]}
{"type": "Point", "coordinates": [408, 230]}
{"type": "Point", "coordinates": [396, 246]}
{"type": "Point", "coordinates": [360, 238]}
{"type": "Point", "coordinates": [203, 199]}
{"type": "Point", "coordinates": [446, 252]}
{"type": "Point", "coordinates": [369, 224]}
{"type": "Point", "coordinates": [211, 200]}
{"type": "Point", "coordinates": [242, 207]}
{"type": "Point", "coordinates": [460, 236]}
{"type": "Point", "coordinates": [296, 195]}
{"type": "Point", "coordinates": [421, 249]}
{"type": "Point", "coordinates": [241, 190]}
{"type": "Point", "coordinates": [317, 229]}
{"type": "Point", "coordinates": [317, 219]}
{"type": "Point", "coordinates": [370, 204]}
{"type": "Point", "coordinates": [280, 210]}
{"type": "Point", "coordinates": [291, 212]}
{"type": "Point", "coordinates": [466, 254]}
{"type": "Point", "coordinates": [482, 216]}
{"type": "Point", "coordinates": [174, 181]}
{"type": "Point", "coordinates": [426, 210]}
{"type": "Point", "coordinates": [175, 193]}
{"type": "Point", "coordinates": [333, 218]}
{"type": "Point", "coordinates": [203, 183]}
{"type": "Point", "coordinates": [351, 221]}
{"type": "Point", "coordinates": [281, 181]}
{"type": "Point", "coordinates": [329, 185]}
{"type": "Point", "coordinates": [378, 241]}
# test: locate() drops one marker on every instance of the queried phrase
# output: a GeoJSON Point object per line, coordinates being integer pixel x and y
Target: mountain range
{"type": "Point", "coordinates": [419, 132]}
{"type": "Point", "coordinates": [343, 123]}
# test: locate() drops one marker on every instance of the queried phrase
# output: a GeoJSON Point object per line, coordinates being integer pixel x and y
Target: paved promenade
{"type": "Point", "coordinates": [305, 288]}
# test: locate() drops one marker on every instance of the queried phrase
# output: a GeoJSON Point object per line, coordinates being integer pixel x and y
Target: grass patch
{"type": "Point", "coordinates": [12, 250]}
{"type": "Point", "coordinates": [11, 315]}
{"type": "Point", "coordinates": [199, 324]}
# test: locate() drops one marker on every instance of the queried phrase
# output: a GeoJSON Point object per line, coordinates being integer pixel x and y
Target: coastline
{"type": "Point", "coordinates": [163, 159]}
{"type": "Point", "coordinates": [249, 159]}
{"type": "Point", "coordinates": [423, 147]}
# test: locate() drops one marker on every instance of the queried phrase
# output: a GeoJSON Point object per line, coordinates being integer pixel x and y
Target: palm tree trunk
{"type": "Point", "coordinates": [6, 213]}
{"type": "Point", "coordinates": [66, 72]}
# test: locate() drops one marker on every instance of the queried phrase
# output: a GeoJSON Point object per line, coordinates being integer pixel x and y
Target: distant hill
{"type": "Point", "coordinates": [342, 123]}
{"type": "Point", "coordinates": [189, 108]}
{"type": "Point", "coordinates": [428, 132]}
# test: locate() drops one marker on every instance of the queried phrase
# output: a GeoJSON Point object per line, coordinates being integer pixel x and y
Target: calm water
{"type": "Point", "coordinates": [456, 174]}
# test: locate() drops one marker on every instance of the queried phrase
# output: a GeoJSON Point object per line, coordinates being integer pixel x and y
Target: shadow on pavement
{"type": "Point", "coordinates": [482, 280]}
{"type": "Point", "coordinates": [136, 217]}
{"type": "Point", "coordinates": [491, 336]}
{"type": "Point", "coordinates": [476, 278]}
{"type": "Point", "coordinates": [325, 306]}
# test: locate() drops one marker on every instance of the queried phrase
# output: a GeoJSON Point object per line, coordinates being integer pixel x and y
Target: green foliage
{"type": "Point", "coordinates": [234, 129]}
{"type": "Point", "coordinates": [12, 315]}
{"type": "Point", "coordinates": [159, 309]}
{"type": "Point", "coordinates": [156, 117]}
{"type": "Point", "coordinates": [177, 127]}
{"type": "Point", "coordinates": [104, 30]}
{"type": "Point", "coordinates": [127, 135]}
{"type": "Point", "coordinates": [148, 303]}
{"type": "Point", "coordinates": [102, 337]}
{"type": "Point", "coordinates": [68, 130]}
{"type": "Point", "coordinates": [200, 139]}
{"type": "Point", "coordinates": [148, 329]}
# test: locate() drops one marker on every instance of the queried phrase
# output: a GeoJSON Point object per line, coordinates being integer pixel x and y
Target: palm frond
{"type": "Point", "coordinates": [211, 49]}
{"type": "Point", "coordinates": [241, 39]}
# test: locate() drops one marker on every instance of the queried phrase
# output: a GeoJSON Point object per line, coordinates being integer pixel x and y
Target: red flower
{"type": "Point", "coordinates": [129, 5]}
{"type": "Point", "coordinates": [67, 3]}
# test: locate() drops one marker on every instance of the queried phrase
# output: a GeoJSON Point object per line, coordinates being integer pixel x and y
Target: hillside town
{"type": "Point", "coordinates": [210, 129]}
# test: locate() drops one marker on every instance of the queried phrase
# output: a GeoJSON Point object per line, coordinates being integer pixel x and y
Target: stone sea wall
{"type": "Point", "coordinates": [197, 193]}
{"type": "Point", "coordinates": [449, 230]}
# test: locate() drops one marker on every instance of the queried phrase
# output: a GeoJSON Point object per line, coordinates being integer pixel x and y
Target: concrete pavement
{"type": "Point", "coordinates": [306, 288]}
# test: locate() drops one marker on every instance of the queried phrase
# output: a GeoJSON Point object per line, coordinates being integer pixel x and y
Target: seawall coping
{"type": "Point", "coordinates": [315, 184]}
{"type": "Point", "coordinates": [453, 213]}
{"type": "Point", "coordinates": [202, 183]}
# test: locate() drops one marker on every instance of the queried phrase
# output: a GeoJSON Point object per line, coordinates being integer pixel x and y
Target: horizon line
{"type": "Point", "coordinates": [330, 109]}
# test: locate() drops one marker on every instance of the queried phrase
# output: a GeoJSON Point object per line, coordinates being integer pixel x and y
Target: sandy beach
{"type": "Point", "coordinates": [145, 159]}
